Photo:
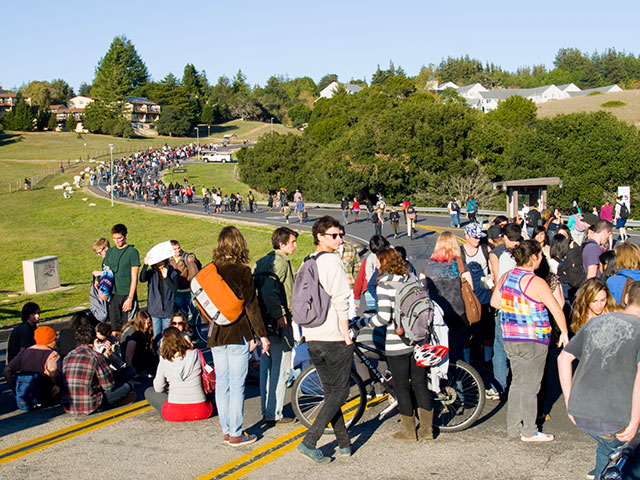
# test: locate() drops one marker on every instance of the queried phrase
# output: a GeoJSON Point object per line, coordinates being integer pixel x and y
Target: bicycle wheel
{"type": "Point", "coordinates": [461, 398]}
{"type": "Point", "coordinates": [201, 327]}
{"type": "Point", "coordinates": [307, 398]}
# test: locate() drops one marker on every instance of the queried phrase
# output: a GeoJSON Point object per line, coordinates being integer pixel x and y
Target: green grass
{"type": "Point", "coordinates": [218, 175]}
{"type": "Point", "coordinates": [41, 222]}
{"type": "Point", "coordinates": [593, 94]}
{"type": "Point", "coordinates": [613, 104]}
{"type": "Point", "coordinates": [246, 130]}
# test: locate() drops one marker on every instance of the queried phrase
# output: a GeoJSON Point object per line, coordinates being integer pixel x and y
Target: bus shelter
{"type": "Point", "coordinates": [530, 191]}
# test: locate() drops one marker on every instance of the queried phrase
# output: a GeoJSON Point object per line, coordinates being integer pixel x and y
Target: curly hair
{"type": "Point", "coordinates": [585, 295]}
{"type": "Point", "coordinates": [174, 342]}
{"type": "Point", "coordinates": [231, 248]}
{"type": "Point", "coordinates": [391, 261]}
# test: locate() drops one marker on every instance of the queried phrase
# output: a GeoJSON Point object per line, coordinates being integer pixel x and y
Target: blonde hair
{"type": "Point", "coordinates": [585, 295]}
{"type": "Point", "coordinates": [628, 256]}
{"type": "Point", "coordinates": [447, 248]}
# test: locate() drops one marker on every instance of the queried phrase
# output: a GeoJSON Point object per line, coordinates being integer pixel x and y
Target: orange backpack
{"type": "Point", "coordinates": [214, 298]}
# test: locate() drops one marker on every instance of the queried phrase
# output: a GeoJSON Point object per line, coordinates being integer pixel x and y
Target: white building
{"type": "Point", "coordinates": [489, 100]}
{"type": "Point", "coordinates": [606, 89]}
{"type": "Point", "coordinates": [330, 90]}
{"type": "Point", "coordinates": [80, 102]}
{"type": "Point", "coordinates": [471, 91]}
{"type": "Point", "coordinates": [569, 87]}
{"type": "Point", "coordinates": [442, 87]}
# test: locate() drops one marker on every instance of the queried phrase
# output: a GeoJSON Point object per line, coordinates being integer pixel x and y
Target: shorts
{"type": "Point", "coordinates": [621, 222]}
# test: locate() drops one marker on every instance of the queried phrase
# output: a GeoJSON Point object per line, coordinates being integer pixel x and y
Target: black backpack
{"type": "Point", "coordinates": [571, 270]}
{"type": "Point", "coordinates": [198, 264]}
{"type": "Point", "coordinates": [374, 218]}
{"type": "Point", "coordinates": [455, 207]}
{"type": "Point", "coordinates": [624, 211]}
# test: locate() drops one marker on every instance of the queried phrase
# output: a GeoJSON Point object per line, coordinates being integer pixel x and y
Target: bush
{"type": "Point", "coordinates": [613, 104]}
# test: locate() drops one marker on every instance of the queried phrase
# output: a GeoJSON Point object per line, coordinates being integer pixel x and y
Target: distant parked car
{"type": "Point", "coordinates": [216, 157]}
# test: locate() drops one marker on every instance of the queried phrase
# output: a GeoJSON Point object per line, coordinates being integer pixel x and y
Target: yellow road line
{"type": "Point", "coordinates": [444, 229]}
{"type": "Point", "coordinates": [267, 453]}
{"type": "Point", "coordinates": [73, 431]}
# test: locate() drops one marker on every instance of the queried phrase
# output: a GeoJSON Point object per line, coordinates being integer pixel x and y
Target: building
{"type": "Point", "coordinates": [569, 87]}
{"type": "Point", "coordinates": [441, 88]}
{"type": "Point", "coordinates": [142, 113]}
{"type": "Point", "coordinates": [489, 100]}
{"type": "Point", "coordinates": [330, 90]}
{"type": "Point", "coordinates": [8, 100]}
{"type": "Point", "coordinates": [80, 102]}
{"type": "Point", "coordinates": [471, 91]}
{"type": "Point", "coordinates": [606, 89]}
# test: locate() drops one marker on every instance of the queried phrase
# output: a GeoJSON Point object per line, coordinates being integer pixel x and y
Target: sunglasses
{"type": "Point", "coordinates": [335, 235]}
{"type": "Point", "coordinates": [177, 323]}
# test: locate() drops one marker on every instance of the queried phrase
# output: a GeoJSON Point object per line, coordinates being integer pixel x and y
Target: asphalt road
{"type": "Point", "coordinates": [139, 444]}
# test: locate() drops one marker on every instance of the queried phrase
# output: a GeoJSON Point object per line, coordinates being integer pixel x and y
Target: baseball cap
{"type": "Point", "coordinates": [474, 230]}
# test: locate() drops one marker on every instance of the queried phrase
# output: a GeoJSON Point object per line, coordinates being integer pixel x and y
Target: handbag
{"type": "Point", "coordinates": [472, 306]}
{"type": "Point", "coordinates": [208, 374]}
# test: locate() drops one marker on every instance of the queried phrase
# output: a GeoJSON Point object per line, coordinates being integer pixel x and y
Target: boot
{"type": "Point", "coordinates": [425, 430]}
{"type": "Point", "coordinates": [408, 432]}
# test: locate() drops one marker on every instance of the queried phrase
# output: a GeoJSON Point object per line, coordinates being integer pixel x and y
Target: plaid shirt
{"type": "Point", "coordinates": [351, 261]}
{"type": "Point", "coordinates": [86, 375]}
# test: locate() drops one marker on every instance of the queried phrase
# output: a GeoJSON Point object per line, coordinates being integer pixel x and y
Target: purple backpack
{"type": "Point", "coordinates": [309, 301]}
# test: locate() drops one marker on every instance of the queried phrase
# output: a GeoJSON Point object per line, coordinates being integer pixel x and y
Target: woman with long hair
{"type": "Point", "coordinates": [230, 343]}
{"type": "Point", "coordinates": [162, 281]}
{"type": "Point", "coordinates": [409, 378]}
{"type": "Point", "coordinates": [138, 345]}
{"type": "Point", "coordinates": [179, 371]}
{"type": "Point", "coordinates": [525, 301]}
{"type": "Point", "coordinates": [592, 299]}
{"type": "Point", "coordinates": [441, 276]}
{"type": "Point", "coordinates": [628, 263]}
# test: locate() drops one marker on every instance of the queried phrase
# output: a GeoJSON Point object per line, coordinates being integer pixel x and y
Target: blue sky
{"type": "Point", "coordinates": [44, 40]}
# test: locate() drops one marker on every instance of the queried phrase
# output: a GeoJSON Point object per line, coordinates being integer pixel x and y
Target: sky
{"type": "Point", "coordinates": [45, 40]}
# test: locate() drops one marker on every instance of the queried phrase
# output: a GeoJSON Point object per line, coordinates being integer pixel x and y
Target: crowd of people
{"type": "Point", "coordinates": [541, 284]}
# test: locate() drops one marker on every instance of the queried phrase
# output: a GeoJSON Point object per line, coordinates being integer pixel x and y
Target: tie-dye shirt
{"type": "Point", "coordinates": [523, 319]}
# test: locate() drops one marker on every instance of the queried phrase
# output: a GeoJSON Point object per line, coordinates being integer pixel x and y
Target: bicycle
{"type": "Point", "coordinates": [200, 326]}
{"type": "Point", "coordinates": [619, 459]}
{"type": "Point", "coordinates": [456, 407]}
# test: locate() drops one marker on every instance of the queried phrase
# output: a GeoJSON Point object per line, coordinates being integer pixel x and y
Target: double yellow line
{"type": "Point", "coordinates": [461, 240]}
{"type": "Point", "coordinates": [46, 441]}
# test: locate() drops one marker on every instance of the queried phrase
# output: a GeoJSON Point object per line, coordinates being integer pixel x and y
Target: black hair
{"type": "Point", "coordinates": [500, 219]}
{"type": "Point", "coordinates": [538, 229]}
{"type": "Point", "coordinates": [85, 335]}
{"type": "Point", "coordinates": [609, 264]}
{"type": "Point", "coordinates": [322, 225]}
{"type": "Point", "coordinates": [282, 235]}
{"type": "Point", "coordinates": [559, 247]}
{"type": "Point", "coordinates": [28, 309]}
{"type": "Point", "coordinates": [119, 228]}
{"type": "Point", "coordinates": [377, 243]}
{"type": "Point", "coordinates": [513, 232]}
{"type": "Point", "coordinates": [523, 252]}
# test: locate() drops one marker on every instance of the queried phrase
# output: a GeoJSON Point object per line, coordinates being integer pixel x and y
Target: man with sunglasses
{"type": "Point", "coordinates": [330, 345]}
{"type": "Point", "coordinates": [273, 277]}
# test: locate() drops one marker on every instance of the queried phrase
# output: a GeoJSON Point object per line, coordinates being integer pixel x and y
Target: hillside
{"type": "Point", "coordinates": [629, 113]}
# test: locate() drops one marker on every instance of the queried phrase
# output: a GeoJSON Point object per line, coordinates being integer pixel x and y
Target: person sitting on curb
{"type": "Point", "coordinates": [33, 375]}
{"type": "Point", "coordinates": [87, 382]}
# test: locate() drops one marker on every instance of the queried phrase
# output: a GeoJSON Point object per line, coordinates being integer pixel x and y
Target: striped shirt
{"type": "Point", "coordinates": [523, 319]}
{"type": "Point", "coordinates": [388, 286]}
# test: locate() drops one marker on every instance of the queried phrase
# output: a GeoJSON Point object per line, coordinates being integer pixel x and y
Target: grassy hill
{"type": "Point", "coordinates": [629, 113]}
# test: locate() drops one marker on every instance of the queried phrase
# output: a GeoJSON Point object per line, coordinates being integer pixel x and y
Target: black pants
{"type": "Point", "coordinates": [333, 362]}
{"type": "Point", "coordinates": [402, 368]}
{"type": "Point", "coordinates": [116, 316]}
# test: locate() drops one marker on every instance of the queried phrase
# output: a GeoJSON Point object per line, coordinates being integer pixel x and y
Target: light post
{"type": "Point", "coordinates": [209, 131]}
{"type": "Point", "coordinates": [272, 126]}
{"type": "Point", "coordinates": [198, 141]}
{"type": "Point", "coordinates": [111, 172]}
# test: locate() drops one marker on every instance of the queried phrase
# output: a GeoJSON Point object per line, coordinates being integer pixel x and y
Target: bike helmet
{"type": "Point", "coordinates": [429, 355]}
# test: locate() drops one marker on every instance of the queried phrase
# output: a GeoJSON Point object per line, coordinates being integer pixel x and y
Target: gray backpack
{"type": "Point", "coordinates": [413, 311]}
{"type": "Point", "coordinates": [309, 301]}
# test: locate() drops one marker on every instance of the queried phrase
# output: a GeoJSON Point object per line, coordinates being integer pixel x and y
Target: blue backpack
{"type": "Point", "coordinates": [309, 300]}
{"type": "Point", "coordinates": [29, 389]}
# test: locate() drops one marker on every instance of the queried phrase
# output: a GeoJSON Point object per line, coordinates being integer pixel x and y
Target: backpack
{"type": "Point", "coordinates": [29, 389]}
{"type": "Point", "coordinates": [374, 218]}
{"type": "Point", "coordinates": [309, 300]}
{"type": "Point", "coordinates": [571, 271]}
{"type": "Point", "coordinates": [413, 312]}
{"type": "Point", "coordinates": [260, 280]}
{"type": "Point", "coordinates": [251, 197]}
{"type": "Point", "coordinates": [455, 207]}
{"type": "Point", "coordinates": [98, 307]}
{"type": "Point", "coordinates": [198, 263]}
{"type": "Point", "coordinates": [624, 211]}
{"type": "Point", "coordinates": [395, 216]}
{"type": "Point", "coordinates": [214, 298]}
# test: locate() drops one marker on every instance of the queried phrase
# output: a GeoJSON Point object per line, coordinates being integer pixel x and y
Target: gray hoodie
{"type": "Point", "coordinates": [184, 376]}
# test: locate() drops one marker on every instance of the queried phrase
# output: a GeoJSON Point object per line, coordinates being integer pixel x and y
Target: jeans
{"type": "Point", "coordinates": [378, 228]}
{"type": "Point", "coordinates": [333, 362]}
{"type": "Point", "coordinates": [115, 395]}
{"type": "Point", "coordinates": [606, 446]}
{"type": "Point", "coordinates": [345, 216]}
{"type": "Point", "coordinates": [160, 324]}
{"type": "Point", "coordinates": [232, 364]}
{"type": "Point", "coordinates": [499, 361]}
{"type": "Point", "coordinates": [182, 299]}
{"type": "Point", "coordinates": [156, 399]}
{"type": "Point", "coordinates": [411, 224]}
{"type": "Point", "coordinates": [273, 377]}
{"type": "Point", "coordinates": [403, 368]}
{"type": "Point", "coordinates": [527, 367]}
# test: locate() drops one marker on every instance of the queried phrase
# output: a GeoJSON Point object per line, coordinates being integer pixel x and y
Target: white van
{"type": "Point", "coordinates": [216, 157]}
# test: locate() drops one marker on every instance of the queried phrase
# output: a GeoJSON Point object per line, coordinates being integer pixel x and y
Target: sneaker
{"type": "Point", "coordinates": [344, 451]}
{"type": "Point", "coordinates": [240, 440]}
{"type": "Point", "coordinates": [491, 394]}
{"type": "Point", "coordinates": [538, 437]}
{"type": "Point", "coordinates": [313, 454]}
{"type": "Point", "coordinates": [225, 439]}
{"type": "Point", "coordinates": [591, 475]}
{"type": "Point", "coordinates": [130, 398]}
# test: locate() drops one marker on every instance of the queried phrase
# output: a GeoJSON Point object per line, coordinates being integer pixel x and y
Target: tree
{"type": "Point", "coordinates": [84, 90]}
{"type": "Point", "coordinates": [173, 122]}
{"type": "Point", "coordinates": [71, 123]}
{"type": "Point", "coordinates": [42, 118]}
{"type": "Point", "coordinates": [299, 114]}
{"type": "Point", "coordinates": [53, 123]}
{"type": "Point", "coordinates": [61, 91]}
{"type": "Point", "coordinates": [326, 81]}
{"type": "Point", "coordinates": [39, 92]}
{"type": "Point", "coordinates": [19, 117]}
{"type": "Point", "coordinates": [119, 72]}
{"type": "Point", "coordinates": [515, 111]}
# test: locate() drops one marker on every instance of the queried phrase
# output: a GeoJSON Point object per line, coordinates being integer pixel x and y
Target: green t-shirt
{"type": "Point", "coordinates": [120, 263]}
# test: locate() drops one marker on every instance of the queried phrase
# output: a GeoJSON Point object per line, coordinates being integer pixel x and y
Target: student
{"type": "Point", "coordinates": [21, 337]}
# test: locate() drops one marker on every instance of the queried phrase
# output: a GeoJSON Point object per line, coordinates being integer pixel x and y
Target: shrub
{"type": "Point", "coordinates": [613, 104]}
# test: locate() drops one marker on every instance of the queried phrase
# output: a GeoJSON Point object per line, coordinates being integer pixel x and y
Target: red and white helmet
{"type": "Point", "coordinates": [429, 355]}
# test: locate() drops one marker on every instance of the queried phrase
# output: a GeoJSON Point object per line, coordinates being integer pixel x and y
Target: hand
{"type": "Point", "coordinates": [347, 338]}
{"type": "Point", "coordinates": [108, 348]}
{"type": "Point", "coordinates": [146, 261]}
{"type": "Point", "coordinates": [264, 344]}
{"type": "Point", "coordinates": [282, 322]}
{"type": "Point", "coordinates": [563, 340]}
{"type": "Point", "coordinates": [628, 433]}
{"type": "Point", "coordinates": [127, 305]}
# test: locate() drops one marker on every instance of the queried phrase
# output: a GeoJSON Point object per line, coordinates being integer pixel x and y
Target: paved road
{"type": "Point", "coordinates": [133, 442]}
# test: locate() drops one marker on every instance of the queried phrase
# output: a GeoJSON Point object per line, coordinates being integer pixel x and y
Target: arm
{"type": "Point", "coordinates": [496, 296]}
{"type": "Point", "coordinates": [386, 296]}
{"type": "Point", "coordinates": [539, 291]}
{"type": "Point", "coordinates": [565, 374]}
{"type": "Point", "coordinates": [192, 268]}
{"type": "Point", "coordinates": [103, 372]}
{"type": "Point", "coordinates": [128, 303]}
{"type": "Point", "coordinates": [630, 431]}
{"type": "Point", "coordinates": [494, 265]}
{"type": "Point", "coordinates": [131, 348]}
{"type": "Point", "coordinates": [592, 271]}
{"type": "Point", "coordinates": [8, 376]}
{"type": "Point", "coordinates": [160, 380]}
{"type": "Point", "coordinates": [252, 308]}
